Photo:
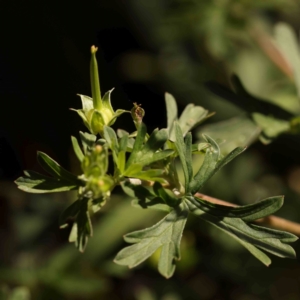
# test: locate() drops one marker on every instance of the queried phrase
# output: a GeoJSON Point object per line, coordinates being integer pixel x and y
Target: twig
{"type": "Point", "coordinates": [271, 221]}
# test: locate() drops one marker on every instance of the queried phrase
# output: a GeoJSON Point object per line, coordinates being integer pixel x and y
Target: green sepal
{"type": "Point", "coordinates": [97, 122]}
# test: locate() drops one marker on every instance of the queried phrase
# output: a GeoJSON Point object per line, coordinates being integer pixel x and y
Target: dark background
{"type": "Point", "coordinates": [145, 48]}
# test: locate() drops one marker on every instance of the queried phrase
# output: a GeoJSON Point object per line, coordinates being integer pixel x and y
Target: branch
{"type": "Point", "coordinates": [271, 221]}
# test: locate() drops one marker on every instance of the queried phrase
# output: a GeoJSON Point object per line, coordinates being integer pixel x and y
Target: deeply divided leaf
{"type": "Point", "coordinates": [251, 237]}
{"type": "Point", "coordinates": [166, 235]}
{"type": "Point", "coordinates": [37, 183]}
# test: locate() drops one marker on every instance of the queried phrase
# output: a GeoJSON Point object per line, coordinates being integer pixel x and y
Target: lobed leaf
{"type": "Point", "coordinates": [247, 213]}
{"type": "Point", "coordinates": [82, 227]}
{"type": "Point", "coordinates": [37, 183]}
{"type": "Point", "coordinates": [250, 237]}
{"type": "Point", "coordinates": [166, 234]}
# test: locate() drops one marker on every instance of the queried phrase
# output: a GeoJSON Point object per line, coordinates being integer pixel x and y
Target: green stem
{"type": "Point", "coordinates": [95, 83]}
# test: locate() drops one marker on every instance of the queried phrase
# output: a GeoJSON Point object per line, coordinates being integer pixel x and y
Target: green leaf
{"type": "Point", "coordinates": [77, 149]}
{"type": "Point", "coordinates": [70, 212]}
{"type": "Point", "coordinates": [247, 213]}
{"type": "Point", "coordinates": [288, 43]}
{"type": "Point", "coordinates": [232, 133]}
{"type": "Point", "coordinates": [88, 141]}
{"type": "Point", "coordinates": [250, 237]}
{"type": "Point", "coordinates": [123, 143]}
{"type": "Point", "coordinates": [144, 198]}
{"type": "Point", "coordinates": [246, 101]}
{"type": "Point", "coordinates": [270, 126]}
{"type": "Point", "coordinates": [150, 175]}
{"type": "Point", "coordinates": [211, 165]}
{"type": "Point", "coordinates": [53, 168]}
{"type": "Point", "coordinates": [130, 142]}
{"type": "Point", "coordinates": [171, 113]}
{"type": "Point", "coordinates": [166, 234]}
{"type": "Point", "coordinates": [121, 161]}
{"type": "Point", "coordinates": [180, 146]}
{"type": "Point", "coordinates": [112, 141]}
{"type": "Point", "coordinates": [37, 183]}
{"type": "Point", "coordinates": [82, 227]}
{"type": "Point", "coordinates": [191, 116]}
{"type": "Point", "coordinates": [132, 170]}
{"type": "Point", "coordinates": [138, 144]}
{"type": "Point", "coordinates": [168, 197]}
{"type": "Point", "coordinates": [207, 168]}
{"type": "Point", "coordinates": [188, 155]}
{"type": "Point", "coordinates": [150, 152]}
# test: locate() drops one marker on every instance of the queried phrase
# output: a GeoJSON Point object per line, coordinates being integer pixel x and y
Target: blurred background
{"type": "Point", "coordinates": [146, 47]}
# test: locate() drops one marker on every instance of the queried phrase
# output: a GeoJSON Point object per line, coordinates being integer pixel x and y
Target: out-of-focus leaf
{"type": "Point", "coordinates": [246, 101]}
{"type": "Point", "coordinates": [288, 42]}
{"type": "Point", "coordinates": [34, 182]}
{"type": "Point", "coordinates": [166, 234]}
{"type": "Point", "coordinates": [270, 126]}
{"type": "Point", "coordinates": [232, 133]}
{"type": "Point", "coordinates": [191, 116]}
{"type": "Point", "coordinates": [19, 293]}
